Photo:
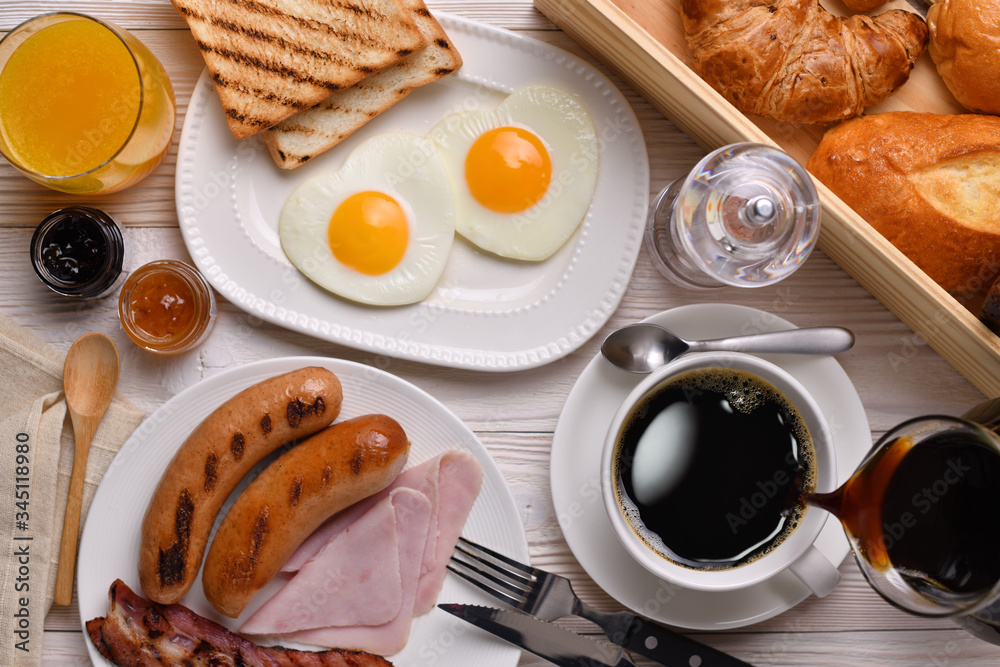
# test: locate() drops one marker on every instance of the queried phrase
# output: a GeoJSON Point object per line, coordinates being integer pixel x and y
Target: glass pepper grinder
{"type": "Point", "coordinates": [747, 215]}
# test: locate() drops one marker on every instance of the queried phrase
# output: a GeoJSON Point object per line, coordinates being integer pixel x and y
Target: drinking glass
{"type": "Point", "coordinates": [922, 515]}
{"type": "Point", "coordinates": [747, 215]}
{"type": "Point", "coordinates": [85, 108]}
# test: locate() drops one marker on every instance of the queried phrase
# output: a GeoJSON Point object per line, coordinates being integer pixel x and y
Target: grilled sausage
{"type": "Point", "coordinates": [308, 484]}
{"type": "Point", "coordinates": [211, 462]}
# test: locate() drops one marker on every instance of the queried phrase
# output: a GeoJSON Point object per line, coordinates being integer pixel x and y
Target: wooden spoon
{"type": "Point", "coordinates": [90, 377]}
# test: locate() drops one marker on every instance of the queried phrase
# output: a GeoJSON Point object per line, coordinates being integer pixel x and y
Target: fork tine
{"type": "Point", "coordinates": [501, 595]}
{"type": "Point", "coordinates": [512, 581]}
{"type": "Point", "coordinates": [530, 571]}
{"type": "Point", "coordinates": [502, 577]}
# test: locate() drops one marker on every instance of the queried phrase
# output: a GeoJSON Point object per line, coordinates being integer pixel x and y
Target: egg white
{"type": "Point", "coordinates": [403, 166]}
{"type": "Point", "coordinates": [567, 130]}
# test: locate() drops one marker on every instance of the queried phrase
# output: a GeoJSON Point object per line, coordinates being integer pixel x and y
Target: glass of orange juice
{"type": "Point", "coordinates": [84, 106]}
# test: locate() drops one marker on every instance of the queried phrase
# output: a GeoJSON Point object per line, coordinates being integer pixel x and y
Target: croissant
{"type": "Point", "coordinates": [794, 61]}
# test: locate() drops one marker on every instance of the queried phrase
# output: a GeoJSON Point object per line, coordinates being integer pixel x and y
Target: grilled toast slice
{"type": "Point", "coordinates": [272, 58]}
{"type": "Point", "coordinates": [312, 131]}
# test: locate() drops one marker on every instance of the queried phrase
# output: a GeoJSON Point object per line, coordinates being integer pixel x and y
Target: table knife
{"type": "Point", "coordinates": [662, 644]}
{"type": "Point", "coordinates": [556, 644]}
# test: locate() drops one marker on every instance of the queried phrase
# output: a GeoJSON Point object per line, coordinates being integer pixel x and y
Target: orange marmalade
{"type": "Point", "coordinates": [70, 98]}
{"type": "Point", "coordinates": [167, 307]}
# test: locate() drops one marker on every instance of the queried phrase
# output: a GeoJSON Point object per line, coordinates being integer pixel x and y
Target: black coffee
{"type": "Point", "coordinates": [710, 468]}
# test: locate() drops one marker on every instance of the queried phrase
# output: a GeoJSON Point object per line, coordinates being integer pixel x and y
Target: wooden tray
{"type": "Point", "coordinates": [642, 41]}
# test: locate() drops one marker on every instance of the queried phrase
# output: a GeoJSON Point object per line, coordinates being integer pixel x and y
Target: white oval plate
{"type": "Point", "coordinates": [576, 484]}
{"type": "Point", "coordinates": [486, 313]}
{"type": "Point", "coordinates": [109, 545]}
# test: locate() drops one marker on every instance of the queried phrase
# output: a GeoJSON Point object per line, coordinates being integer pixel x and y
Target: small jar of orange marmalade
{"type": "Point", "coordinates": [167, 307]}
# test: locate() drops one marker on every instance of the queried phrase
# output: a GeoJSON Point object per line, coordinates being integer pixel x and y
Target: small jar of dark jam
{"type": "Point", "coordinates": [78, 252]}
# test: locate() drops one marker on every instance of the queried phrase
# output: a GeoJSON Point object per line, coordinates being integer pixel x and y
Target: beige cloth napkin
{"type": "Point", "coordinates": [36, 458]}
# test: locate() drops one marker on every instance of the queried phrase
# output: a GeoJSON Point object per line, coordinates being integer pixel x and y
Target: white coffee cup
{"type": "Point", "coordinates": [797, 552]}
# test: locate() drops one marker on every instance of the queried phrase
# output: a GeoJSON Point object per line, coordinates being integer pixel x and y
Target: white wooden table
{"type": "Point", "coordinates": [514, 414]}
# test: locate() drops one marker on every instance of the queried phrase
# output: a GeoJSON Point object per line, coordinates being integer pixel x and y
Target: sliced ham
{"type": "Point", "coordinates": [448, 486]}
{"type": "Point", "coordinates": [459, 480]}
{"type": "Point", "coordinates": [337, 587]}
{"type": "Point", "coordinates": [413, 515]}
{"type": "Point", "coordinates": [422, 477]}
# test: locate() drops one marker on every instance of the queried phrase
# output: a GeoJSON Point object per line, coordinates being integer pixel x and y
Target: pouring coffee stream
{"type": "Point", "coordinates": [922, 515]}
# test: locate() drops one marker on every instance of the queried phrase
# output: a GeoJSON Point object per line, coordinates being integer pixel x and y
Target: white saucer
{"type": "Point", "coordinates": [576, 487]}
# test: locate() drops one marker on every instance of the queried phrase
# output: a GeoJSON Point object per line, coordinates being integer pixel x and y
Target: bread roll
{"type": "Point", "coordinates": [929, 183]}
{"type": "Point", "coordinates": [965, 46]}
{"type": "Point", "coordinates": [794, 61]}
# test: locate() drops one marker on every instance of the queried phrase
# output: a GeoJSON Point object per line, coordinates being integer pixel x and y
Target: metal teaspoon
{"type": "Point", "coordinates": [644, 347]}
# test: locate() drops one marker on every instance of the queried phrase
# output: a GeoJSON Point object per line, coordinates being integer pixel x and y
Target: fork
{"type": "Point", "coordinates": [548, 596]}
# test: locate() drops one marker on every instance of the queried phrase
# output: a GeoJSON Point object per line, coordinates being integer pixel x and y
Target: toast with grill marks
{"type": "Point", "coordinates": [272, 58]}
{"type": "Point", "coordinates": [312, 131]}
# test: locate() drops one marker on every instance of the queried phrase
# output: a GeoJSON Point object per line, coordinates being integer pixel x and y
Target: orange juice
{"type": "Point", "coordinates": [69, 98]}
{"type": "Point", "coordinates": [84, 106]}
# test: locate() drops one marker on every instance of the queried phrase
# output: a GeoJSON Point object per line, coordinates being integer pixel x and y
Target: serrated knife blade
{"type": "Point", "coordinates": [556, 644]}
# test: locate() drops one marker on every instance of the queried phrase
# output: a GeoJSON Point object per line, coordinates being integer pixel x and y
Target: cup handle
{"type": "Point", "coordinates": [816, 571]}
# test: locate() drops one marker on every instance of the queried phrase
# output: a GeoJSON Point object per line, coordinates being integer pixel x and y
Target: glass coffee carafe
{"type": "Point", "coordinates": [922, 514]}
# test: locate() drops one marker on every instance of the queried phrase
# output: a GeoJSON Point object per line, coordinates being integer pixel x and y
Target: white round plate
{"type": "Point", "coordinates": [486, 313]}
{"type": "Point", "coordinates": [109, 545]}
{"type": "Point", "coordinates": [576, 485]}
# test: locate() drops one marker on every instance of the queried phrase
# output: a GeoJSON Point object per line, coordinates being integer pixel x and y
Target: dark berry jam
{"type": "Point", "coordinates": [78, 251]}
{"type": "Point", "coordinates": [74, 250]}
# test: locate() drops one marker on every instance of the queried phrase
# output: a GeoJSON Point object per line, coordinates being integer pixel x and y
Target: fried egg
{"type": "Point", "coordinates": [379, 229]}
{"type": "Point", "coordinates": [523, 174]}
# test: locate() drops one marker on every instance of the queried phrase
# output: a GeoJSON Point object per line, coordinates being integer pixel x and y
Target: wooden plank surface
{"type": "Point", "coordinates": [896, 374]}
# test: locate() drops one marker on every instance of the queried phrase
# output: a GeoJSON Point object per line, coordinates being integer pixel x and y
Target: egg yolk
{"type": "Point", "coordinates": [369, 232]}
{"type": "Point", "coordinates": [508, 169]}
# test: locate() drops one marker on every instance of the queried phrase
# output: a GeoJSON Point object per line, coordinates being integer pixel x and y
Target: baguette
{"type": "Point", "coordinates": [310, 132]}
{"type": "Point", "coordinates": [929, 183]}
{"type": "Point", "coordinates": [272, 58]}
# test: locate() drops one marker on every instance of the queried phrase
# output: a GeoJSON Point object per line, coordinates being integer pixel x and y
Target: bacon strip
{"type": "Point", "coordinates": [140, 633]}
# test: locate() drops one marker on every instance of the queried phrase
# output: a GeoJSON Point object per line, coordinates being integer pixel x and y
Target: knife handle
{"type": "Point", "coordinates": [670, 648]}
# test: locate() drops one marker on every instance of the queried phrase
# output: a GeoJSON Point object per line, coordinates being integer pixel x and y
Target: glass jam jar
{"type": "Point", "coordinates": [78, 252]}
{"type": "Point", "coordinates": [167, 307]}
